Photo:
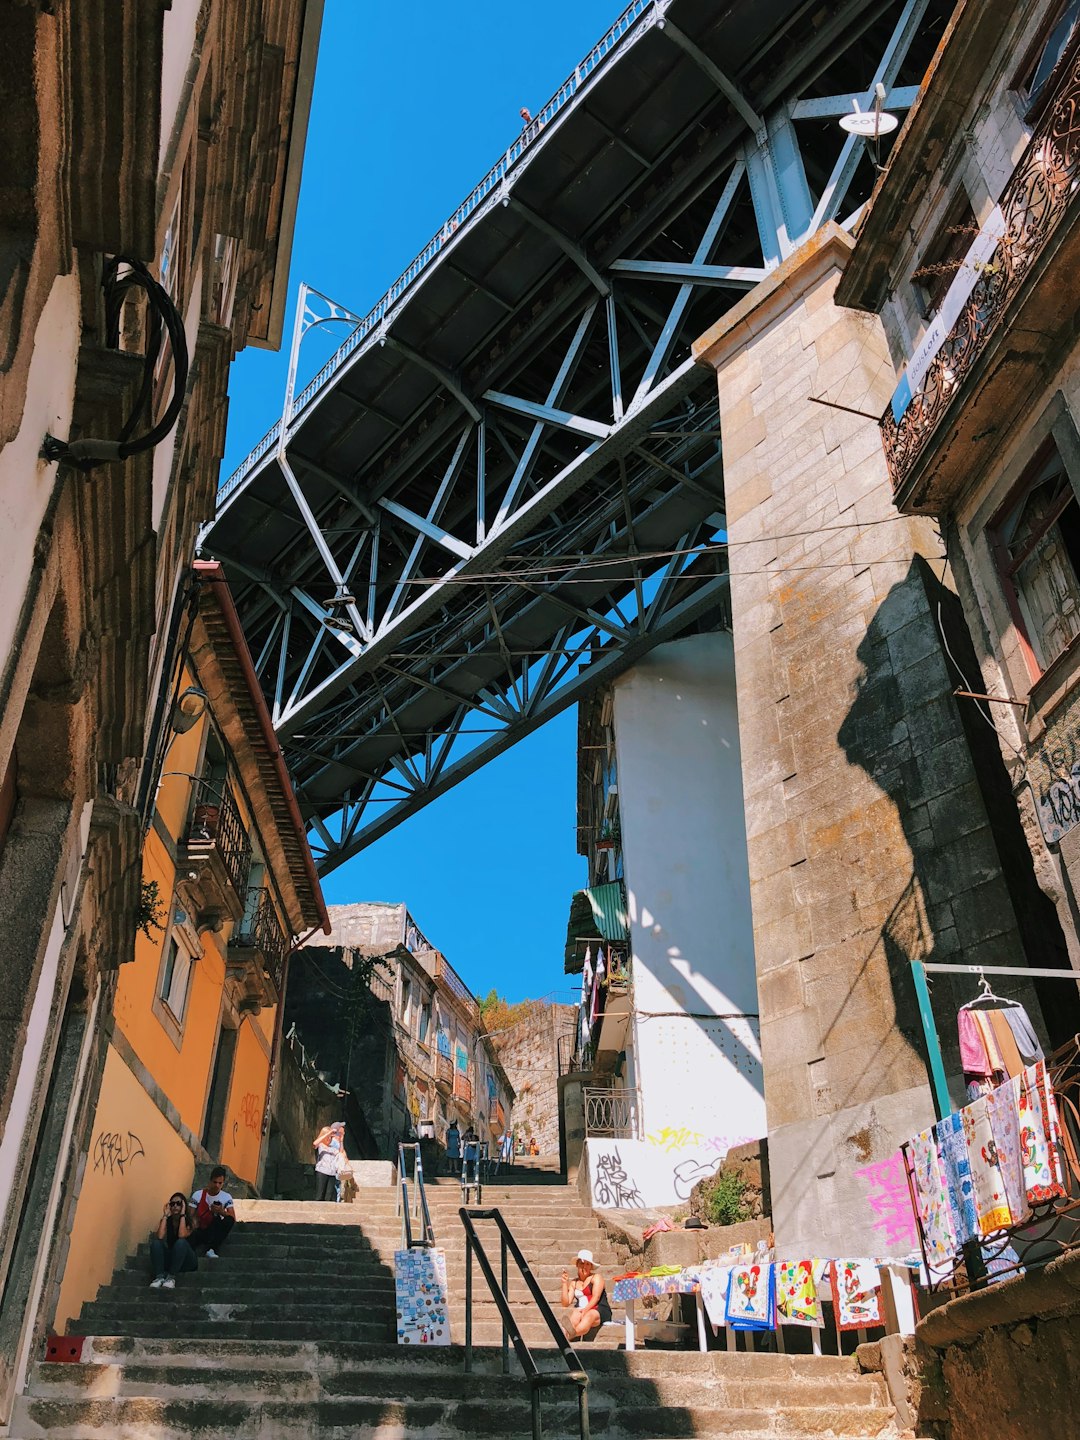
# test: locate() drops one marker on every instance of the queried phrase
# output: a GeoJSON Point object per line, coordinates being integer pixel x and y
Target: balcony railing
{"type": "Point", "coordinates": [462, 1087]}
{"type": "Point", "coordinates": [612, 1114]}
{"type": "Point", "coordinates": [444, 1070]}
{"type": "Point", "coordinates": [441, 971]}
{"type": "Point", "coordinates": [1035, 200]}
{"type": "Point", "coordinates": [216, 822]}
{"type": "Point", "coordinates": [260, 929]}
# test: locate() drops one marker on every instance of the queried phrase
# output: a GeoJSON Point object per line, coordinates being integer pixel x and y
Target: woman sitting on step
{"type": "Point", "coordinates": [170, 1247]}
{"type": "Point", "coordinates": [586, 1303]}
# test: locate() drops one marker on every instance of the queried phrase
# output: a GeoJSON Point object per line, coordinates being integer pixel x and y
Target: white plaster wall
{"type": "Point", "coordinates": [696, 1054]}
{"type": "Point", "coordinates": [178, 40]}
{"type": "Point", "coordinates": [634, 1175]}
{"type": "Point", "coordinates": [26, 481]}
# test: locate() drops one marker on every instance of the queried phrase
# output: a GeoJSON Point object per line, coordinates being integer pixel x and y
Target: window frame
{"type": "Point", "coordinates": [1031, 104]}
{"type": "Point", "coordinates": [173, 943]}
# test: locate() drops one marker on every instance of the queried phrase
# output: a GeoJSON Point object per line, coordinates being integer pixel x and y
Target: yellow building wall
{"type": "Point", "coordinates": [242, 1139]}
{"type": "Point", "coordinates": [136, 1161]}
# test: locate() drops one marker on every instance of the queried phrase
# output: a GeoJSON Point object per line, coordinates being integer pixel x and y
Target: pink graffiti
{"type": "Point", "coordinates": [887, 1192]}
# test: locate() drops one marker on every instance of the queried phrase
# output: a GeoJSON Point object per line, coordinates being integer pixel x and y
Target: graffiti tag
{"type": "Point", "coordinates": [112, 1151]}
{"type": "Point", "coordinates": [249, 1110]}
{"type": "Point", "coordinates": [689, 1172]}
{"type": "Point", "coordinates": [890, 1200]}
{"type": "Point", "coordinates": [612, 1187]}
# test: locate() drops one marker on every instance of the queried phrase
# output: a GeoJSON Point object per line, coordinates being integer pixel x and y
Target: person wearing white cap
{"type": "Point", "coordinates": [586, 1304]}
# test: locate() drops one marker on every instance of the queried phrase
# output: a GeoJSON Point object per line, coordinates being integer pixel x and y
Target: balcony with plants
{"type": "Point", "coordinates": [215, 854]}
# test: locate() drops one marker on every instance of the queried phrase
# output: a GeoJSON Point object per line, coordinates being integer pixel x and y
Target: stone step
{"type": "Point", "coordinates": [350, 1418]}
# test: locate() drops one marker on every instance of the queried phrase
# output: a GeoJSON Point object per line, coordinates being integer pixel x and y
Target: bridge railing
{"type": "Point", "coordinates": [506, 162]}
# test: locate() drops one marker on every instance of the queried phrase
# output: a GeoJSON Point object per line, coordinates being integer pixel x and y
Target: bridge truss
{"type": "Point", "coordinates": [506, 485]}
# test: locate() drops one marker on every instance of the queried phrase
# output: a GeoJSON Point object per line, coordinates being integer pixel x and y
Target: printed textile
{"type": "Point", "coordinates": [751, 1300]}
{"type": "Point", "coordinates": [635, 1287]}
{"type": "Point", "coordinates": [973, 1056]}
{"type": "Point", "coordinates": [856, 1290]}
{"type": "Point", "coordinates": [714, 1289]}
{"type": "Point", "coordinates": [991, 1201]}
{"type": "Point", "coordinates": [956, 1168]}
{"type": "Point", "coordinates": [932, 1195]}
{"type": "Point", "coordinates": [1003, 1107]}
{"type": "Point", "coordinates": [796, 1293]}
{"type": "Point", "coordinates": [1038, 1135]}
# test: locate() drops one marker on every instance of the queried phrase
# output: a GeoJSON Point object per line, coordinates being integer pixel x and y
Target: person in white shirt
{"type": "Point", "coordinates": [329, 1147]}
{"type": "Point", "coordinates": [215, 1214]}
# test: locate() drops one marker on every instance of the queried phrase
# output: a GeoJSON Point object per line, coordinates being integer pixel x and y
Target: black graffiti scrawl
{"type": "Point", "coordinates": [612, 1189]}
{"type": "Point", "coordinates": [113, 1152]}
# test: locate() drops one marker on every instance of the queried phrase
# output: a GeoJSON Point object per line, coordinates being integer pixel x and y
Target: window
{"type": "Point", "coordinates": [425, 1022]}
{"type": "Point", "coordinates": [1048, 50]}
{"type": "Point", "coordinates": [942, 258]}
{"type": "Point", "coordinates": [1039, 553]}
{"type": "Point", "coordinates": [175, 978]}
{"type": "Point", "coordinates": [406, 1003]}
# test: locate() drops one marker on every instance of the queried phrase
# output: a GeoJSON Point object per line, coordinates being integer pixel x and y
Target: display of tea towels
{"type": "Point", "coordinates": [796, 1293]}
{"type": "Point", "coordinates": [856, 1287]}
{"type": "Point", "coordinates": [751, 1300]}
{"type": "Point", "coordinates": [423, 1316]}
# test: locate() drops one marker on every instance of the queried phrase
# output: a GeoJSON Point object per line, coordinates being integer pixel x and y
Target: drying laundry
{"type": "Point", "coordinates": [932, 1196]}
{"type": "Point", "coordinates": [991, 1201]}
{"type": "Point", "coordinates": [751, 1300]}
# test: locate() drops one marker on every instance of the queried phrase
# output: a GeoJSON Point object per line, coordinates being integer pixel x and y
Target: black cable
{"type": "Point", "coordinates": [116, 282]}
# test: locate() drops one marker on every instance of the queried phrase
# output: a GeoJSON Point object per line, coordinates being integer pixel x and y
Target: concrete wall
{"type": "Point", "coordinates": [695, 1046]}
{"type": "Point", "coordinates": [869, 839]}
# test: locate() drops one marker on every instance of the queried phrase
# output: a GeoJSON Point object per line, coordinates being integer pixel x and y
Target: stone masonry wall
{"type": "Point", "coordinates": [528, 1055]}
{"type": "Point", "coordinates": [868, 837]}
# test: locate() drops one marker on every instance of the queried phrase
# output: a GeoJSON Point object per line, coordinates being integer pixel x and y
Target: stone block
{"type": "Point", "coordinates": [740, 442]}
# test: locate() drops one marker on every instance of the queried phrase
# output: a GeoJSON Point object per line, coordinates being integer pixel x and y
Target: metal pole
{"type": "Point", "coordinates": [468, 1303]}
{"type": "Point", "coordinates": [583, 1412]}
{"type": "Point", "coordinates": [938, 1084]}
{"type": "Point", "coordinates": [536, 1413]}
{"type": "Point", "coordinates": [505, 1332]}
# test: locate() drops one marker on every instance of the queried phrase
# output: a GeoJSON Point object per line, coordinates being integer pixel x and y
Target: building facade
{"type": "Point", "coordinates": [228, 886]}
{"type": "Point", "coordinates": [976, 298]}
{"type": "Point", "coordinates": [401, 1039]}
{"type": "Point", "coordinates": [148, 203]}
{"type": "Point", "coordinates": [670, 1021]}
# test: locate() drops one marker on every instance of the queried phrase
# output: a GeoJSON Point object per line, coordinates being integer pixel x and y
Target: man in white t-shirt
{"type": "Point", "coordinates": [215, 1214]}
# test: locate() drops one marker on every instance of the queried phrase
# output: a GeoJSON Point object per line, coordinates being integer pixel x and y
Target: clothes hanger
{"type": "Point", "coordinates": [986, 999]}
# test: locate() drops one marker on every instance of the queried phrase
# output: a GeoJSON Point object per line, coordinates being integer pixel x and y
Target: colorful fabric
{"type": "Point", "coordinates": [714, 1280]}
{"type": "Point", "coordinates": [856, 1292]}
{"type": "Point", "coordinates": [751, 1298]}
{"type": "Point", "coordinates": [1006, 1043]}
{"type": "Point", "coordinates": [991, 1201]}
{"type": "Point", "coordinates": [989, 1039]}
{"type": "Point", "coordinates": [956, 1168]}
{"type": "Point", "coordinates": [932, 1198]}
{"type": "Point", "coordinates": [973, 1056]}
{"type": "Point", "coordinates": [636, 1287]}
{"type": "Point", "coordinates": [1027, 1042]}
{"type": "Point", "coordinates": [1038, 1151]}
{"type": "Point", "coordinates": [796, 1294]}
{"type": "Point", "coordinates": [1003, 1107]}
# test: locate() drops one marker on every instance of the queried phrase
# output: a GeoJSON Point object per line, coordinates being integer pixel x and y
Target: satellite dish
{"type": "Point", "coordinates": [869, 123]}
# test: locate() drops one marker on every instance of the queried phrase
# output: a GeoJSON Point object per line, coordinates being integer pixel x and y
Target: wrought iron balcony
{"type": "Point", "coordinates": [963, 396]}
{"type": "Point", "coordinates": [258, 942]}
{"type": "Point", "coordinates": [613, 1113]}
{"type": "Point", "coordinates": [217, 850]}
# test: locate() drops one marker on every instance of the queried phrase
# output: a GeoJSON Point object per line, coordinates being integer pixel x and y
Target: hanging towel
{"type": "Point", "coordinates": [1003, 1107]}
{"type": "Point", "coordinates": [1027, 1042]}
{"type": "Point", "coordinates": [932, 1196]}
{"type": "Point", "coordinates": [1038, 1124]}
{"type": "Point", "coordinates": [989, 1039]}
{"type": "Point", "coordinates": [751, 1299]}
{"type": "Point", "coordinates": [796, 1294]}
{"type": "Point", "coordinates": [1006, 1043]}
{"type": "Point", "coordinates": [957, 1171]}
{"type": "Point", "coordinates": [856, 1289]}
{"type": "Point", "coordinates": [714, 1290]}
{"type": "Point", "coordinates": [991, 1202]}
{"type": "Point", "coordinates": [973, 1056]}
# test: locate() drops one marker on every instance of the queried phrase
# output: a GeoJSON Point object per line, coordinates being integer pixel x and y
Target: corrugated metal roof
{"type": "Point", "coordinates": [599, 913]}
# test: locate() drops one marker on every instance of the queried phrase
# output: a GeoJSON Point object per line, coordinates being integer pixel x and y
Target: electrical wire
{"type": "Point", "coordinates": [117, 282]}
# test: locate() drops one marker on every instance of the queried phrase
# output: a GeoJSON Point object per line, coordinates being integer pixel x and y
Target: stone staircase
{"type": "Point", "coordinates": [290, 1334]}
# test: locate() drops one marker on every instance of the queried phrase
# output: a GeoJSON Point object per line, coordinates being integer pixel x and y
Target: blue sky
{"type": "Point", "coordinates": [413, 103]}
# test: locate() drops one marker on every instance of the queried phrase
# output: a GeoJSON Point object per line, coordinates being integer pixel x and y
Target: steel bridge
{"type": "Point", "coordinates": [507, 485]}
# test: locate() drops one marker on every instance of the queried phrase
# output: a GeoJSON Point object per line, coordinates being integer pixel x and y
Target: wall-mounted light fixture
{"type": "Point", "coordinates": [190, 707]}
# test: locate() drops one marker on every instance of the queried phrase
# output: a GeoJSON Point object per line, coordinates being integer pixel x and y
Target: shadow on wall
{"type": "Point", "coordinates": [952, 796]}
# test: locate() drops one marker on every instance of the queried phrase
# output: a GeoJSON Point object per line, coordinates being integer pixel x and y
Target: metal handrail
{"type": "Point", "coordinates": [537, 1379]}
{"type": "Point", "coordinates": [427, 1231]}
{"type": "Point", "coordinates": [498, 172]}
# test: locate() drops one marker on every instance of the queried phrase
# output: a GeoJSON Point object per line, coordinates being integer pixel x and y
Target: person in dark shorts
{"type": "Point", "coordinates": [584, 1299]}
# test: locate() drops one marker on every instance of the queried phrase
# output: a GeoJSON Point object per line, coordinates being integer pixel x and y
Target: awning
{"type": "Point", "coordinates": [596, 915]}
